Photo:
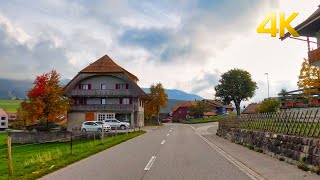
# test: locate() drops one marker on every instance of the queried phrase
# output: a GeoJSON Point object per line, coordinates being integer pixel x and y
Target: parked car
{"type": "Point", "coordinates": [114, 123]}
{"type": "Point", "coordinates": [95, 126]}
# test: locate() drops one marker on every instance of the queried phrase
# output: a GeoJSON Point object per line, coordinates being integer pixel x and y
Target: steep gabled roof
{"type": "Point", "coordinates": [106, 65]}
{"type": "Point", "coordinates": [251, 109]}
{"type": "Point", "coordinates": [3, 113]}
{"type": "Point", "coordinates": [184, 104]}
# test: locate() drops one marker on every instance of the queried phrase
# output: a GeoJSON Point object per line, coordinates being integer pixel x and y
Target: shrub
{"type": "Point", "coordinates": [303, 167]}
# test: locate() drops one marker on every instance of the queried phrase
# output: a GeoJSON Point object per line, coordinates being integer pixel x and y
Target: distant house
{"type": "Point", "coordinates": [12, 117]}
{"type": "Point", "coordinates": [102, 91]}
{"type": "Point", "coordinates": [251, 109]}
{"type": "Point", "coordinates": [3, 119]}
{"type": "Point", "coordinates": [181, 111]}
{"type": "Point", "coordinates": [218, 107]}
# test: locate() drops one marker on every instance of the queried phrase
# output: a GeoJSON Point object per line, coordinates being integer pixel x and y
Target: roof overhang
{"type": "Point", "coordinates": [309, 27]}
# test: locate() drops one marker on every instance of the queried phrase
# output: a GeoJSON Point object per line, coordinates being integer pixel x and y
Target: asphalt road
{"type": "Point", "coordinates": [174, 151]}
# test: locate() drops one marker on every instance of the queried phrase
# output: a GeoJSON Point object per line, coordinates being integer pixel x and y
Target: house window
{"type": "Point", "coordinates": [179, 112]}
{"type": "Point", "coordinates": [122, 86]}
{"type": "Point", "coordinates": [105, 116]}
{"type": "Point", "coordinates": [82, 101]}
{"type": "Point", "coordinates": [3, 123]}
{"type": "Point", "coordinates": [3, 118]}
{"type": "Point", "coordinates": [85, 86]}
{"type": "Point", "coordinates": [125, 101]}
{"type": "Point", "coordinates": [103, 100]}
{"type": "Point", "coordinates": [103, 86]}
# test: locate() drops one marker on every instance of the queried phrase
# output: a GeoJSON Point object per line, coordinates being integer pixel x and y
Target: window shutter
{"type": "Point", "coordinates": [117, 86]}
{"type": "Point", "coordinates": [89, 86]}
{"type": "Point", "coordinates": [74, 101]}
{"type": "Point", "coordinates": [142, 103]}
{"type": "Point", "coordinates": [130, 101]}
{"type": "Point", "coordinates": [127, 86]}
{"type": "Point", "coordinates": [120, 100]}
{"type": "Point", "coordinates": [79, 86]}
{"type": "Point", "coordinates": [85, 100]}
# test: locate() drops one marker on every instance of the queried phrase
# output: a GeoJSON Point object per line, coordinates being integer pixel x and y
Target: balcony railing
{"type": "Point", "coordinates": [95, 107]}
{"type": "Point", "coordinates": [314, 56]}
{"type": "Point", "coordinates": [101, 92]}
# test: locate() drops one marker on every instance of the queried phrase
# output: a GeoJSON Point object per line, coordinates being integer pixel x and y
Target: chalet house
{"type": "Point", "coordinates": [181, 111]}
{"type": "Point", "coordinates": [3, 119]}
{"type": "Point", "coordinates": [251, 109]}
{"type": "Point", "coordinates": [309, 28]}
{"type": "Point", "coordinates": [104, 90]}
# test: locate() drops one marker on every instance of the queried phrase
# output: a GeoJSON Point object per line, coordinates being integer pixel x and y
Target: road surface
{"type": "Point", "coordinates": [174, 151]}
{"type": "Point", "coordinates": [178, 151]}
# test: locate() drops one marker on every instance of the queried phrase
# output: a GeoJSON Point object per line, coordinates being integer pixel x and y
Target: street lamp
{"type": "Point", "coordinates": [268, 82]}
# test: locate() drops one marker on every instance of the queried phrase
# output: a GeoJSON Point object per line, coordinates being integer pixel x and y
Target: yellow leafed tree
{"type": "Point", "coordinates": [309, 77]}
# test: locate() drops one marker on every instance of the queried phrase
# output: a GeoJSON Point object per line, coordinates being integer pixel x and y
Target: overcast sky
{"type": "Point", "coordinates": [184, 44]}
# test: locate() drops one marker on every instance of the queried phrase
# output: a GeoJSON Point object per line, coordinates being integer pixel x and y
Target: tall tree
{"type": "Point", "coordinates": [309, 77]}
{"type": "Point", "coordinates": [46, 99]}
{"type": "Point", "coordinates": [158, 99]}
{"type": "Point", "coordinates": [199, 108]}
{"type": "Point", "coordinates": [235, 85]}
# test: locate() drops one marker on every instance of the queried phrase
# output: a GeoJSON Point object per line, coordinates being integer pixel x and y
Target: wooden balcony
{"type": "Point", "coordinates": [314, 57]}
{"type": "Point", "coordinates": [101, 93]}
{"type": "Point", "coordinates": [98, 107]}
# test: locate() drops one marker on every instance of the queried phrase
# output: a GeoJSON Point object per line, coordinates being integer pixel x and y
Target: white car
{"type": "Point", "coordinates": [94, 126]}
{"type": "Point", "coordinates": [116, 123]}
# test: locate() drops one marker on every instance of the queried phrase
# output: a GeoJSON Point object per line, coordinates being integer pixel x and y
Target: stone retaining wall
{"type": "Point", "coordinates": [292, 148]}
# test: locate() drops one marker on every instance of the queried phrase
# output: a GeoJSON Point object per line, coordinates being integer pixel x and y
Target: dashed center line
{"type": "Point", "coordinates": [163, 141]}
{"type": "Point", "coordinates": [170, 130]}
{"type": "Point", "coordinates": [151, 161]}
{"type": "Point", "coordinates": [167, 134]}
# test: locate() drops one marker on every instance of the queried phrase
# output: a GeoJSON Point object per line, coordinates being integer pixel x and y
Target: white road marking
{"type": "Point", "coordinates": [163, 141]}
{"type": "Point", "coordinates": [253, 175]}
{"type": "Point", "coordinates": [148, 166]}
{"type": "Point", "coordinates": [167, 134]}
{"type": "Point", "coordinates": [191, 126]}
{"type": "Point", "coordinates": [170, 130]}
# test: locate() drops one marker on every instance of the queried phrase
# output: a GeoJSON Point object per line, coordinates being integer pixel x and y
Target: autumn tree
{"type": "Point", "coordinates": [199, 108]}
{"type": "Point", "coordinates": [157, 99]}
{"type": "Point", "coordinates": [23, 117]}
{"type": "Point", "coordinates": [235, 85]}
{"type": "Point", "coordinates": [309, 77]}
{"type": "Point", "coordinates": [269, 105]}
{"type": "Point", "coordinates": [46, 99]}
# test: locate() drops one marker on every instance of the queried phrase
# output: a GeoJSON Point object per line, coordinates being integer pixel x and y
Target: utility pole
{"type": "Point", "coordinates": [267, 82]}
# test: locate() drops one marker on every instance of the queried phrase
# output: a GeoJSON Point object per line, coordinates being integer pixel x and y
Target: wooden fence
{"type": "Point", "coordinates": [301, 123]}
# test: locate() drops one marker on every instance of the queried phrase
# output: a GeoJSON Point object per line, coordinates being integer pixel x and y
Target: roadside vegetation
{"type": "Point", "coordinates": [10, 106]}
{"type": "Point", "coordinates": [205, 120]}
{"type": "Point", "coordinates": [36, 160]}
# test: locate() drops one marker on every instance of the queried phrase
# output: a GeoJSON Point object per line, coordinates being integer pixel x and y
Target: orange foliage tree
{"type": "Point", "coordinates": [309, 77]}
{"type": "Point", "coordinates": [46, 98]}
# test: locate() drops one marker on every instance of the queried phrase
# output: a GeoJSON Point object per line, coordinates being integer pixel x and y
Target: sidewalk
{"type": "Point", "coordinates": [266, 166]}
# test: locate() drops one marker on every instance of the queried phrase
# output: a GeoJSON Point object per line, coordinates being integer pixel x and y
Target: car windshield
{"type": "Point", "coordinates": [99, 122]}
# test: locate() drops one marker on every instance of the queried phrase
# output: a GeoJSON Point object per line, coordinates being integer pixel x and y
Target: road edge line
{"type": "Point", "coordinates": [248, 171]}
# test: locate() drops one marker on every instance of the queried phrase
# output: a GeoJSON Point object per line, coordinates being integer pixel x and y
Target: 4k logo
{"type": "Point", "coordinates": [283, 25]}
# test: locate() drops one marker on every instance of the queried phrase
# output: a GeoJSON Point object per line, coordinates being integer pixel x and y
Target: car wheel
{"type": "Point", "coordinates": [122, 127]}
{"type": "Point", "coordinates": [83, 130]}
{"type": "Point", "coordinates": [99, 130]}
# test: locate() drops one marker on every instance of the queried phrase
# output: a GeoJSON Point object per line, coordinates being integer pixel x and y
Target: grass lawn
{"type": "Point", "coordinates": [205, 120]}
{"type": "Point", "coordinates": [37, 160]}
{"type": "Point", "coordinates": [10, 106]}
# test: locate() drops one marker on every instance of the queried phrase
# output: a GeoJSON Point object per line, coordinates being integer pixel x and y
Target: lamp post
{"type": "Point", "coordinates": [267, 81]}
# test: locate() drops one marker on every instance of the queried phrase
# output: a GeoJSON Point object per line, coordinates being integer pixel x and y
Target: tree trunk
{"type": "Point", "coordinates": [237, 104]}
